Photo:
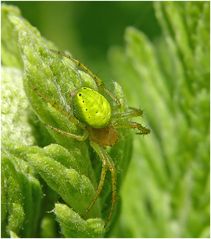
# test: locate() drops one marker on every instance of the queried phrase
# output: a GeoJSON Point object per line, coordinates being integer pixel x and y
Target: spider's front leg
{"type": "Point", "coordinates": [133, 112]}
{"type": "Point", "coordinates": [122, 120]}
{"type": "Point", "coordinates": [82, 137]}
{"type": "Point", "coordinates": [107, 165]}
{"type": "Point", "coordinates": [97, 80]}
{"type": "Point", "coordinates": [132, 125]}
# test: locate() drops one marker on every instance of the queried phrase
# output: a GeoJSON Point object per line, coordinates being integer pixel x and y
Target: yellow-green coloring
{"type": "Point", "coordinates": [92, 108]}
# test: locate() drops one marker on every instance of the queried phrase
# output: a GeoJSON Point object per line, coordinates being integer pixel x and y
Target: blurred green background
{"type": "Point", "coordinates": [88, 29]}
{"type": "Point", "coordinates": [164, 69]}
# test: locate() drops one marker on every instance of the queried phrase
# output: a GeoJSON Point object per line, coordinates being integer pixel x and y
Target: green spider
{"type": "Point", "coordinates": [93, 113]}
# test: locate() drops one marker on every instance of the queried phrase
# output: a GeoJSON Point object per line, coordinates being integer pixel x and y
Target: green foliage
{"type": "Point", "coordinates": [48, 180]}
{"type": "Point", "coordinates": [14, 109]}
{"type": "Point", "coordinates": [73, 225]}
{"type": "Point", "coordinates": [65, 168]}
{"type": "Point", "coordinates": [168, 178]}
{"type": "Point", "coordinates": [21, 195]}
{"type": "Point", "coordinates": [10, 51]}
{"type": "Point", "coordinates": [21, 192]}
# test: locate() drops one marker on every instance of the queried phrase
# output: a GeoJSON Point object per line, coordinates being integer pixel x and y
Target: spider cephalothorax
{"type": "Point", "coordinates": [107, 136]}
{"type": "Point", "coordinates": [93, 114]}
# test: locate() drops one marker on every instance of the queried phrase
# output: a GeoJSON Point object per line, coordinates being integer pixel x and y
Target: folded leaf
{"type": "Point", "coordinates": [72, 225]}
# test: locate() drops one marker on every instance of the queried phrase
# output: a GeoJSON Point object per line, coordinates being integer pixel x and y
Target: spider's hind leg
{"type": "Point", "coordinates": [100, 186]}
{"type": "Point", "coordinates": [107, 165]}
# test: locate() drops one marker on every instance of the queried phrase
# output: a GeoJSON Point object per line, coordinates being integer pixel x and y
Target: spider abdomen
{"type": "Point", "coordinates": [91, 107]}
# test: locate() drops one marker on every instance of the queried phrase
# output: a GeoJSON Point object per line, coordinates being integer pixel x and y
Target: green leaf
{"type": "Point", "coordinates": [48, 227]}
{"type": "Point", "coordinates": [48, 89]}
{"type": "Point", "coordinates": [66, 181]}
{"type": "Point", "coordinates": [167, 184]}
{"type": "Point", "coordinates": [12, 199]}
{"type": "Point", "coordinates": [49, 79]}
{"type": "Point", "coordinates": [16, 217]}
{"type": "Point", "coordinates": [72, 225]}
{"type": "Point", "coordinates": [21, 192]}
{"type": "Point", "coordinates": [16, 127]}
{"type": "Point", "coordinates": [10, 50]}
{"type": "Point", "coordinates": [21, 196]}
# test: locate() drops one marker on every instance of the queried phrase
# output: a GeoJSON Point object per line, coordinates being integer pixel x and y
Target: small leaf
{"type": "Point", "coordinates": [22, 194]}
{"type": "Point", "coordinates": [16, 218]}
{"type": "Point", "coordinates": [72, 225]}
{"type": "Point", "coordinates": [54, 163]}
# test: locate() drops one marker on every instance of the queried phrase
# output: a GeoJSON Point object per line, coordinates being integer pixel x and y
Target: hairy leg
{"type": "Point", "coordinates": [98, 82]}
{"type": "Point", "coordinates": [71, 118]}
{"type": "Point", "coordinates": [80, 65]}
{"type": "Point", "coordinates": [56, 106]}
{"type": "Point", "coordinates": [105, 158]}
{"type": "Point", "coordinates": [112, 169]}
{"type": "Point", "coordinates": [132, 112]}
{"type": "Point", "coordinates": [122, 120]}
{"type": "Point", "coordinates": [69, 135]}
{"type": "Point", "coordinates": [100, 185]}
{"type": "Point", "coordinates": [132, 125]}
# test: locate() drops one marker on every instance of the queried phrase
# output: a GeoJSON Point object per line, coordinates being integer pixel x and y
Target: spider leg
{"type": "Point", "coordinates": [100, 185]}
{"type": "Point", "coordinates": [133, 112]}
{"type": "Point", "coordinates": [133, 125]}
{"type": "Point", "coordinates": [111, 95]}
{"type": "Point", "coordinates": [105, 158]}
{"type": "Point", "coordinates": [97, 80]}
{"type": "Point", "coordinates": [71, 118]}
{"type": "Point", "coordinates": [122, 120]}
{"type": "Point", "coordinates": [80, 65]}
{"type": "Point", "coordinates": [70, 135]}
{"type": "Point", "coordinates": [56, 106]}
{"type": "Point", "coordinates": [114, 188]}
